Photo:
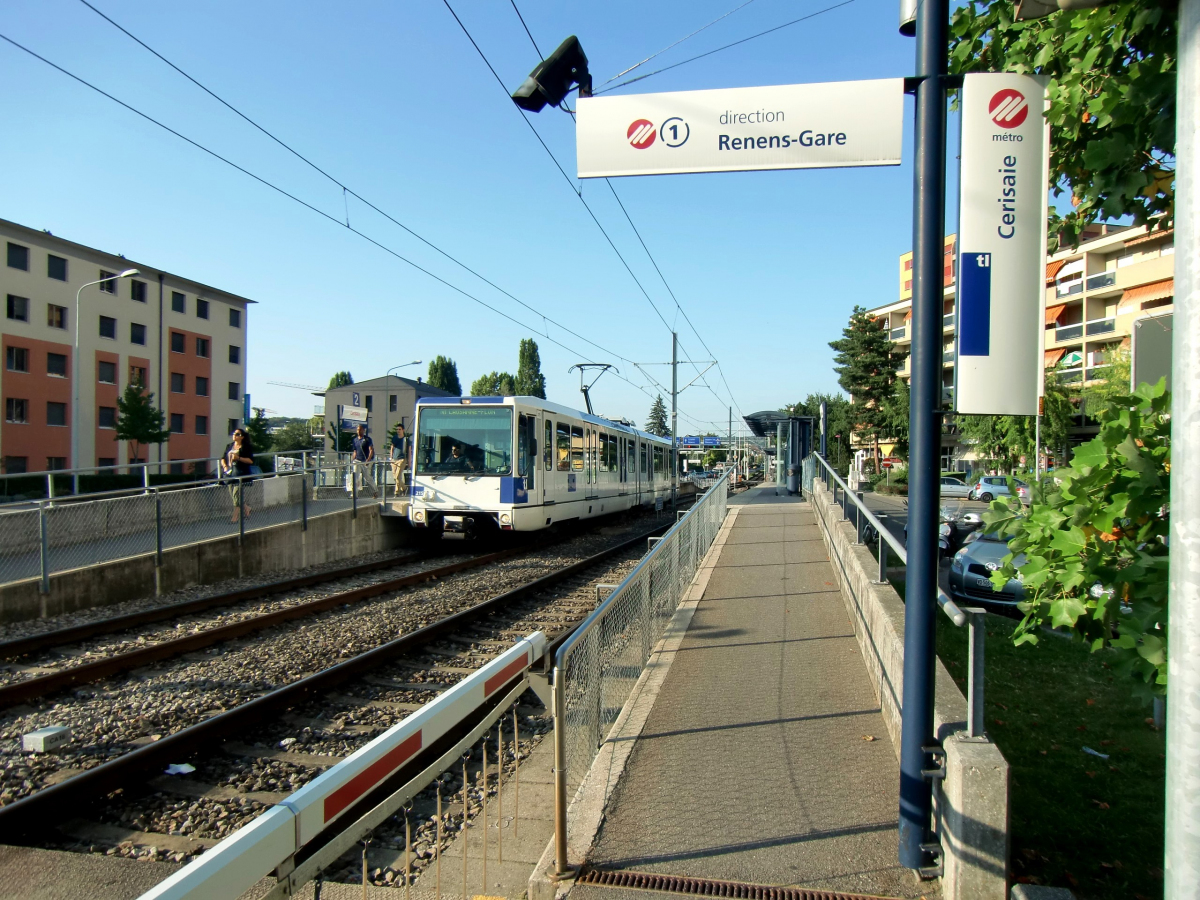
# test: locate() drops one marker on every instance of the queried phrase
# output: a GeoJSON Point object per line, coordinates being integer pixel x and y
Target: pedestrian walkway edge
{"type": "Point", "coordinates": [586, 812]}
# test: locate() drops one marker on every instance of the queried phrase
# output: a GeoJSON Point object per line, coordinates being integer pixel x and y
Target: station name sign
{"type": "Point", "coordinates": [791, 126]}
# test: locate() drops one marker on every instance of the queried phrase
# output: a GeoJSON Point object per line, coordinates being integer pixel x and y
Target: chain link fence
{"type": "Point", "coordinates": [596, 669]}
{"type": "Point", "coordinates": [43, 537]}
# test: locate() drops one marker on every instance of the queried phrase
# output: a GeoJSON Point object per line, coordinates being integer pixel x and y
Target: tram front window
{"type": "Point", "coordinates": [464, 440]}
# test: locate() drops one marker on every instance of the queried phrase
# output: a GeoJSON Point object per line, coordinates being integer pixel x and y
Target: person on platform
{"type": "Point", "coordinates": [236, 464]}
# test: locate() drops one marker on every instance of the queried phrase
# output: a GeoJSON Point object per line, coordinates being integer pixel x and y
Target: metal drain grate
{"type": "Point", "coordinates": [704, 887]}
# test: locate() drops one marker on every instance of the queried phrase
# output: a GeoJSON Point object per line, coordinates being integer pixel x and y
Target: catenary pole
{"type": "Point", "coordinates": [1182, 850]}
{"type": "Point", "coordinates": [674, 420]}
{"type": "Point", "coordinates": [929, 212]}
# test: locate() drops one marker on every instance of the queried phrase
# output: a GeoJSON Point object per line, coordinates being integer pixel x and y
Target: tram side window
{"type": "Point", "coordinates": [564, 446]}
{"type": "Point", "coordinates": [577, 448]}
{"type": "Point", "coordinates": [527, 448]}
{"type": "Point", "coordinates": [631, 459]}
{"type": "Point", "coordinates": [605, 452]}
{"type": "Point", "coordinates": [644, 466]}
{"type": "Point", "coordinates": [548, 446]}
{"type": "Point", "coordinates": [659, 466]}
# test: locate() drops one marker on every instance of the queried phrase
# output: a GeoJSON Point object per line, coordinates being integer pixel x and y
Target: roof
{"type": "Point", "coordinates": [118, 261]}
{"type": "Point", "coordinates": [393, 381]}
{"type": "Point", "coordinates": [763, 423]}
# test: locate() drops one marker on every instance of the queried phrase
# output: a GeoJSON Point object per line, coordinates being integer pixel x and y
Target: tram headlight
{"type": "Point", "coordinates": [505, 519]}
{"type": "Point", "coordinates": [419, 515]}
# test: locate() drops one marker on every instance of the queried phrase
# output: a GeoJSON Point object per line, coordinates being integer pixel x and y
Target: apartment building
{"type": "Point", "coordinates": [1093, 296]}
{"type": "Point", "coordinates": [185, 341]}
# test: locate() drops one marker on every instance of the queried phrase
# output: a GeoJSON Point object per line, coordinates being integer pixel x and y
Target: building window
{"type": "Point", "coordinates": [106, 462]}
{"type": "Point", "coordinates": [231, 426]}
{"type": "Point", "coordinates": [392, 403]}
{"type": "Point", "coordinates": [106, 372]}
{"type": "Point", "coordinates": [18, 257]}
{"type": "Point", "coordinates": [201, 308]}
{"type": "Point", "coordinates": [177, 383]}
{"type": "Point", "coordinates": [16, 465]}
{"type": "Point", "coordinates": [235, 391]}
{"type": "Point", "coordinates": [16, 411]}
{"type": "Point", "coordinates": [201, 386]}
{"type": "Point", "coordinates": [108, 327]}
{"type": "Point", "coordinates": [16, 359]}
{"type": "Point", "coordinates": [110, 286]}
{"type": "Point", "coordinates": [56, 413]}
{"type": "Point", "coordinates": [178, 302]}
{"type": "Point", "coordinates": [235, 354]}
{"type": "Point", "coordinates": [18, 308]}
{"type": "Point", "coordinates": [176, 423]}
{"type": "Point", "coordinates": [56, 316]}
{"type": "Point", "coordinates": [56, 364]}
{"type": "Point", "coordinates": [137, 291]}
{"type": "Point", "coordinates": [201, 424]}
{"type": "Point", "coordinates": [235, 318]}
{"type": "Point", "coordinates": [370, 405]}
{"type": "Point", "coordinates": [54, 463]}
{"type": "Point", "coordinates": [56, 267]}
{"type": "Point", "coordinates": [137, 375]}
{"type": "Point", "coordinates": [137, 333]}
{"type": "Point", "coordinates": [177, 342]}
{"type": "Point", "coordinates": [107, 417]}
{"type": "Point", "coordinates": [202, 347]}
{"type": "Point", "coordinates": [176, 468]}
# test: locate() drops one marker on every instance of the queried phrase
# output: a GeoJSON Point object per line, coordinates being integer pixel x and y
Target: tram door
{"type": "Point", "coordinates": [527, 459]}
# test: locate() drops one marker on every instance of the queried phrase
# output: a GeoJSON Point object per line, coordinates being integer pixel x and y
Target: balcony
{"type": "Point", "coordinates": [1102, 326]}
{"type": "Point", "coordinates": [1097, 372]}
{"type": "Point", "coordinates": [1068, 333]}
{"type": "Point", "coordinates": [897, 334]}
{"type": "Point", "coordinates": [1068, 288]}
{"type": "Point", "coordinates": [947, 321]}
{"type": "Point", "coordinates": [1101, 280]}
{"type": "Point", "coordinates": [1069, 376]}
{"type": "Point", "coordinates": [948, 356]}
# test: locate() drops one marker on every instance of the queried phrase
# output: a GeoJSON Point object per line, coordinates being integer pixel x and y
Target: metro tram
{"type": "Point", "coordinates": [524, 464]}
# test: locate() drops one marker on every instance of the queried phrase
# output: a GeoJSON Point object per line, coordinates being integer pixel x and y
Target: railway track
{"type": "Point", "coordinates": [269, 744]}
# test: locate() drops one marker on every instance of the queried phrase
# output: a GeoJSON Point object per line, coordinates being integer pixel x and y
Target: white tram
{"type": "Point", "coordinates": [523, 464]}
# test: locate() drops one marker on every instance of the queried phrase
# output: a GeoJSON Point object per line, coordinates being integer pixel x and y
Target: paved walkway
{"type": "Point", "coordinates": [765, 758]}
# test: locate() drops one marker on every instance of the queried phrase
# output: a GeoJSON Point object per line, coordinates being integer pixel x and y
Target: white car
{"type": "Point", "coordinates": [954, 487]}
{"type": "Point", "coordinates": [992, 486]}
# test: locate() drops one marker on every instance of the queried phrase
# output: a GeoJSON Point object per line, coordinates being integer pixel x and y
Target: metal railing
{"type": "Point", "coordinates": [597, 667]}
{"type": "Point", "coordinates": [1068, 332]}
{"type": "Point", "coordinates": [866, 524]}
{"type": "Point", "coordinates": [1101, 280]}
{"type": "Point", "coordinates": [1067, 288]}
{"type": "Point", "coordinates": [897, 334]}
{"type": "Point", "coordinates": [39, 538]}
{"type": "Point", "coordinates": [1102, 326]}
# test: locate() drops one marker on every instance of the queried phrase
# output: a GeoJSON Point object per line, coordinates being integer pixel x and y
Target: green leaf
{"type": "Point", "coordinates": [1069, 542]}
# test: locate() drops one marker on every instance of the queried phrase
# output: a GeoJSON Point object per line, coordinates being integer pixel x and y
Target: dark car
{"type": "Point", "coordinates": [973, 565]}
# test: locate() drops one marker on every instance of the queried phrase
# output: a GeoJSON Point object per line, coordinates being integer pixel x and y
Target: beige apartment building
{"type": "Point", "coordinates": [1093, 296]}
{"type": "Point", "coordinates": [185, 341]}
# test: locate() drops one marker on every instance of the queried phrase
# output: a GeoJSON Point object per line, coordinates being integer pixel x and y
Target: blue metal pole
{"type": "Point", "coordinates": [929, 213]}
{"type": "Point", "coordinates": [824, 428]}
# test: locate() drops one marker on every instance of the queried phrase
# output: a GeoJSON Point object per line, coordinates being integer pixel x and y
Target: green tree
{"type": "Point", "coordinates": [896, 408]}
{"type": "Point", "coordinates": [293, 436]}
{"type": "Point", "coordinates": [1093, 543]}
{"type": "Point", "coordinates": [494, 384]}
{"type": "Point", "coordinates": [138, 421]}
{"type": "Point", "coordinates": [530, 382]}
{"type": "Point", "coordinates": [1112, 100]}
{"type": "Point", "coordinates": [256, 431]}
{"type": "Point", "coordinates": [341, 441]}
{"type": "Point", "coordinates": [656, 421]}
{"type": "Point", "coordinates": [839, 423]}
{"type": "Point", "coordinates": [443, 373]}
{"type": "Point", "coordinates": [866, 364]}
{"type": "Point", "coordinates": [999, 442]}
{"type": "Point", "coordinates": [340, 379]}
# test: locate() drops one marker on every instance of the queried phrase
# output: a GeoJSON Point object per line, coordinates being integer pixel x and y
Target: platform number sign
{"type": "Point", "coordinates": [354, 399]}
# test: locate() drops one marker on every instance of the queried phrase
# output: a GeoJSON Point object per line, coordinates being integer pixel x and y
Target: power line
{"type": "Point", "coordinates": [727, 46]}
{"type": "Point", "coordinates": [540, 54]}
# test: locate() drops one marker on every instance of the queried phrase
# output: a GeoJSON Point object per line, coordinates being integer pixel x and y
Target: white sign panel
{"type": "Point", "coordinates": [1001, 244]}
{"type": "Point", "coordinates": [354, 414]}
{"type": "Point", "coordinates": [790, 126]}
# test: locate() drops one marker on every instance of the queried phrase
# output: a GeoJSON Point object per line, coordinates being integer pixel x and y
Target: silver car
{"type": "Point", "coordinates": [954, 487]}
{"type": "Point", "coordinates": [990, 487]}
{"type": "Point", "coordinates": [972, 567]}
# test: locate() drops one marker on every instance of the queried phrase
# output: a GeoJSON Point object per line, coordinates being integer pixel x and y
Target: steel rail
{"type": "Point", "coordinates": [37, 811]}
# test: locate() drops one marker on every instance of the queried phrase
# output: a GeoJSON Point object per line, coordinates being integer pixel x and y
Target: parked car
{"type": "Point", "coordinates": [990, 487]}
{"type": "Point", "coordinates": [954, 487]}
{"type": "Point", "coordinates": [972, 567]}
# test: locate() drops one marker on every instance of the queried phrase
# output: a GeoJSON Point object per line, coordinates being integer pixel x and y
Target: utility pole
{"type": "Point", "coordinates": [929, 213]}
{"type": "Point", "coordinates": [674, 420]}
{"type": "Point", "coordinates": [729, 441]}
{"type": "Point", "coordinates": [1182, 850]}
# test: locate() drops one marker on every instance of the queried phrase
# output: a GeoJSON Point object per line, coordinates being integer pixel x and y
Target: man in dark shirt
{"type": "Point", "coordinates": [364, 456]}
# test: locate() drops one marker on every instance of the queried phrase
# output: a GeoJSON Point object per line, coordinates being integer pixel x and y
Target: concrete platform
{"type": "Point", "coordinates": [764, 758]}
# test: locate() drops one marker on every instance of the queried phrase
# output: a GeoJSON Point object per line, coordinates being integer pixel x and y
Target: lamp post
{"type": "Point", "coordinates": [387, 406]}
{"type": "Point", "coordinates": [75, 376]}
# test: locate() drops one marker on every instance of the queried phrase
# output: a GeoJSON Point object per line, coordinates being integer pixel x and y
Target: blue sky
{"type": "Point", "coordinates": [391, 99]}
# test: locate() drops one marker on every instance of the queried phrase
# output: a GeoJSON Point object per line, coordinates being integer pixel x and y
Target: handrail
{"type": "Point", "coordinates": [949, 607]}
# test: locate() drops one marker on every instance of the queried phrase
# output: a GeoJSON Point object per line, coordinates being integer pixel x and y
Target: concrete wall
{"type": "Point", "coordinates": [972, 800]}
{"type": "Point", "coordinates": [329, 537]}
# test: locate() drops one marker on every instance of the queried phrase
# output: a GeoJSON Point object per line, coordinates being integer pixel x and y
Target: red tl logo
{"type": "Point", "coordinates": [1008, 108]}
{"type": "Point", "coordinates": [641, 134]}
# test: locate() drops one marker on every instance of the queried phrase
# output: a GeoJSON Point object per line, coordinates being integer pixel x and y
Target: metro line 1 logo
{"type": "Point", "coordinates": [641, 134]}
{"type": "Point", "coordinates": [1008, 108]}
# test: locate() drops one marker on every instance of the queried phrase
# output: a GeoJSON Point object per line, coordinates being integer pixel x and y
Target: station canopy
{"type": "Point", "coordinates": [763, 424]}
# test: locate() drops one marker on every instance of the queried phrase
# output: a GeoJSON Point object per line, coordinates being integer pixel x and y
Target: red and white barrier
{"type": "Point", "coordinates": [233, 866]}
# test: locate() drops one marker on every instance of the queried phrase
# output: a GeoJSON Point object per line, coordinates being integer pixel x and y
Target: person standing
{"type": "Point", "coordinates": [399, 460]}
{"type": "Point", "coordinates": [238, 464]}
{"type": "Point", "coordinates": [364, 457]}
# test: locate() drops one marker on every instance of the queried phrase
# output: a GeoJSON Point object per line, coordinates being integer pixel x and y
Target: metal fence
{"type": "Point", "coordinates": [39, 538]}
{"type": "Point", "coordinates": [596, 669]}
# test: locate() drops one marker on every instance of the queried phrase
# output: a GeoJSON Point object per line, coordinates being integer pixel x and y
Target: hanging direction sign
{"type": "Point", "coordinates": [790, 126]}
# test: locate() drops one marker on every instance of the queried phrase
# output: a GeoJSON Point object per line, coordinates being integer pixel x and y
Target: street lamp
{"type": "Point", "coordinates": [75, 374]}
{"type": "Point", "coordinates": [387, 405]}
